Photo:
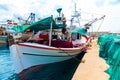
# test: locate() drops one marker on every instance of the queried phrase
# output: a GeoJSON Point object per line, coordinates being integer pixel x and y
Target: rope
{"type": "Point", "coordinates": [19, 57]}
{"type": "Point", "coordinates": [100, 25]}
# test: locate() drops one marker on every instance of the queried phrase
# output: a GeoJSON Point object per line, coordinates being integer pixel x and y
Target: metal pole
{"type": "Point", "coordinates": [50, 35]}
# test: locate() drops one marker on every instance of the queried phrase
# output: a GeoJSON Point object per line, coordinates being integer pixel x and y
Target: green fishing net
{"type": "Point", "coordinates": [110, 51]}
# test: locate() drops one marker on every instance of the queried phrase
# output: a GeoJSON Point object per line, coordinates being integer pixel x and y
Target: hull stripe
{"type": "Point", "coordinates": [58, 49]}
{"type": "Point", "coordinates": [68, 55]}
{"type": "Point", "coordinates": [38, 47]}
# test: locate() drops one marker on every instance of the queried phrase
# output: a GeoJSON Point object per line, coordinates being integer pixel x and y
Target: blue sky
{"type": "Point", "coordinates": [12, 9]}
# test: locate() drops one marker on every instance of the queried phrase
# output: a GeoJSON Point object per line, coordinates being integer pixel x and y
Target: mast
{"type": "Point", "coordinates": [76, 16]}
{"type": "Point", "coordinates": [50, 34]}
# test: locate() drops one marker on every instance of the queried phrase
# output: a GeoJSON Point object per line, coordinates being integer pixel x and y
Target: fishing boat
{"type": "Point", "coordinates": [5, 28]}
{"type": "Point", "coordinates": [35, 54]}
{"type": "Point", "coordinates": [3, 39]}
{"type": "Point", "coordinates": [3, 35]}
{"type": "Point", "coordinates": [53, 52]}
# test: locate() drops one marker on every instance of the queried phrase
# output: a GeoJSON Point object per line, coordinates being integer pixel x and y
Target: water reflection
{"type": "Point", "coordinates": [5, 62]}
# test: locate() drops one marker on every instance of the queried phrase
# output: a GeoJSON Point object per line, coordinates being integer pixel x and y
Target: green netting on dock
{"type": "Point", "coordinates": [110, 51]}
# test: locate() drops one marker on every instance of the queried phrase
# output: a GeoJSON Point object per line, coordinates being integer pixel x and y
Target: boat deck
{"type": "Point", "coordinates": [92, 66]}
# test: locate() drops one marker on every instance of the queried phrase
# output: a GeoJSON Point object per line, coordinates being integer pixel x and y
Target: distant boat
{"type": "Point", "coordinates": [3, 35]}
{"type": "Point", "coordinates": [3, 39]}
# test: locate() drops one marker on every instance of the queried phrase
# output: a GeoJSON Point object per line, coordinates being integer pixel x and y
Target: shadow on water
{"type": "Point", "coordinates": [55, 71]}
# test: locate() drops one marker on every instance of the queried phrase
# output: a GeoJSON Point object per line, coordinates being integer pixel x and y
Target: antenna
{"type": "Point", "coordinates": [59, 11]}
{"type": "Point", "coordinates": [76, 16]}
{"type": "Point", "coordinates": [29, 20]}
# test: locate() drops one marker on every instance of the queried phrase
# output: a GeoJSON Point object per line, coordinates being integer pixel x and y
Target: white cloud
{"type": "Point", "coordinates": [43, 8]}
{"type": "Point", "coordinates": [106, 7]}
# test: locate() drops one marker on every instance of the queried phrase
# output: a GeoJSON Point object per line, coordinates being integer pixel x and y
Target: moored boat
{"type": "Point", "coordinates": [35, 54]}
{"type": "Point", "coordinates": [3, 39]}
{"type": "Point", "coordinates": [3, 35]}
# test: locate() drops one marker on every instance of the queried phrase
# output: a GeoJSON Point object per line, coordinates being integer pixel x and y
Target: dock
{"type": "Point", "coordinates": [92, 67]}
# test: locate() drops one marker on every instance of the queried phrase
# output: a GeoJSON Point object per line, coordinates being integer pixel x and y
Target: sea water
{"type": "Point", "coordinates": [6, 69]}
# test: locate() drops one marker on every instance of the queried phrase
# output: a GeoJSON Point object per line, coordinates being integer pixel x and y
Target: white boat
{"type": "Point", "coordinates": [27, 55]}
